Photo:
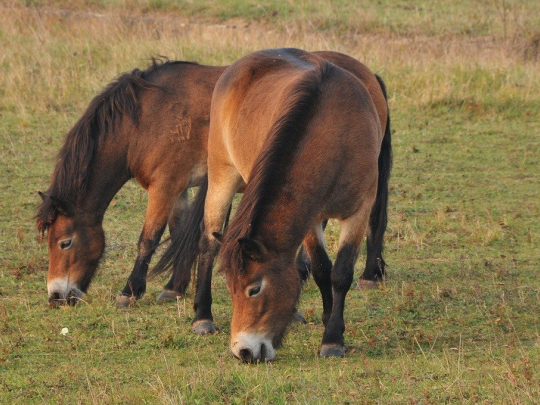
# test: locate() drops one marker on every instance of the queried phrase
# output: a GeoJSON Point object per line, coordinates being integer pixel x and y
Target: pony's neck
{"type": "Point", "coordinates": [285, 221]}
{"type": "Point", "coordinates": [108, 177]}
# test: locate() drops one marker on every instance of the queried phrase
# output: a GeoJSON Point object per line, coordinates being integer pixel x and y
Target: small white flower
{"type": "Point", "coordinates": [64, 331]}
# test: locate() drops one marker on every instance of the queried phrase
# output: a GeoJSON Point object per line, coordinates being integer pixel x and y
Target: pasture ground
{"type": "Point", "coordinates": [456, 321]}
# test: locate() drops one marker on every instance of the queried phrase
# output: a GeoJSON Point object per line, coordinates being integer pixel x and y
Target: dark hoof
{"type": "Point", "coordinates": [299, 318]}
{"type": "Point", "coordinates": [168, 296]}
{"type": "Point", "coordinates": [123, 301]}
{"type": "Point", "coordinates": [332, 350]}
{"type": "Point", "coordinates": [203, 327]}
{"type": "Point", "coordinates": [366, 285]}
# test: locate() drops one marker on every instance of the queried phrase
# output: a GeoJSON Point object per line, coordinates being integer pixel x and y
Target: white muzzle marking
{"type": "Point", "coordinates": [64, 288]}
{"type": "Point", "coordinates": [259, 345]}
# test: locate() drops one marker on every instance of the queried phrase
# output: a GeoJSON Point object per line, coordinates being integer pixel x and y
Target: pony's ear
{"type": "Point", "coordinates": [61, 206]}
{"type": "Point", "coordinates": [218, 236]}
{"type": "Point", "coordinates": [252, 249]}
{"type": "Point", "coordinates": [46, 214]}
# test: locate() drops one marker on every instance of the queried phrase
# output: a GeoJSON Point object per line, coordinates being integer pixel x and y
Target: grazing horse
{"type": "Point", "coordinates": [150, 125]}
{"type": "Point", "coordinates": [305, 137]}
{"type": "Point", "coordinates": [314, 142]}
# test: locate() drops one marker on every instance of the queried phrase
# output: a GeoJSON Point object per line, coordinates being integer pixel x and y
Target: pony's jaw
{"type": "Point", "coordinates": [252, 347]}
{"type": "Point", "coordinates": [62, 291]}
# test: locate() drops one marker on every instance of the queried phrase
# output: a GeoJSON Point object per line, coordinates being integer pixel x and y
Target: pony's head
{"type": "Point", "coordinates": [264, 290]}
{"type": "Point", "coordinates": [76, 245]}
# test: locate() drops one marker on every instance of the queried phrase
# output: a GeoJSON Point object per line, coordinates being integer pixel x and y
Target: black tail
{"type": "Point", "coordinates": [379, 213]}
{"type": "Point", "coordinates": [184, 247]}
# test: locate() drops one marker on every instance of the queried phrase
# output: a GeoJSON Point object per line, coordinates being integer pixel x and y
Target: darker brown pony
{"type": "Point", "coordinates": [306, 137]}
{"type": "Point", "coordinates": [151, 125]}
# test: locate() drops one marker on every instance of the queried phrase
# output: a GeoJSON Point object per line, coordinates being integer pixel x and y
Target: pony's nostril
{"type": "Point", "coordinates": [246, 355]}
{"type": "Point", "coordinates": [72, 298]}
{"type": "Point", "coordinates": [55, 300]}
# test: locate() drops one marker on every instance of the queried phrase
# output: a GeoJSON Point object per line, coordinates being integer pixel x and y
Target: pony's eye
{"type": "Point", "coordinates": [254, 291]}
{"type": "Point", "coordinates": [66, 243]}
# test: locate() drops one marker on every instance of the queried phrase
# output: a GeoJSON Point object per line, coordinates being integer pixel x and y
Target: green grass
{"type": "Point", "coordinates": [457, 319]}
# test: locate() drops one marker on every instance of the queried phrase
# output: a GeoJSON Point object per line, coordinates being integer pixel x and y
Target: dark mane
{"type": "Point", "coordinates": [105, 112]}
{"type": "Point", "coordinates": [271, 165]}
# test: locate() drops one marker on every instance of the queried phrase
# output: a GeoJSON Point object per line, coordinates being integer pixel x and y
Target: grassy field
{"type": "Point", "coordinates": [456, 321]}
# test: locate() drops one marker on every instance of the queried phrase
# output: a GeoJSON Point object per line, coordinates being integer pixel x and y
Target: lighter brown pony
{"type": "Point", "coordinates": [305, 137]}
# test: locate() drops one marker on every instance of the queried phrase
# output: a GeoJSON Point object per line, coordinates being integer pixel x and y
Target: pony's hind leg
{"type": "Point", "coordinates": [313, 255]}
{"type": "Point", "coordinates": [177, 218]}
{"type": "Point", "coordinates": [179, 212]}
{"type": "Point", "coordinates": [352, 234]}
{"type": "Point", "coordinates": [160, 203]}
{"type": "Point", "coordinates": [375, 265]}
{"type": "Point", "coordinates": [303, 262]}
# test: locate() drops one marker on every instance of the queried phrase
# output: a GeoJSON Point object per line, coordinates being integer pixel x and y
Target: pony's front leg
{"type": "Point", "coordinates": [352, 234]}
{"type": "Point", "coordinates": [378, 220]}
{"type": "Point", "coordinates": [204, 321]}
{"type": "Point", "coordinates": [136, 284]}
{"type": "Point", "coordinates": [303, 261]}
{"type": "Point", "coordinates": [342, 274]}
{"type": "Point", "coordinates": [221, 191]}
{"type": "Point", "coordinates": [160, 203]}
{"type": "Point", "coordinates": [321, 267]}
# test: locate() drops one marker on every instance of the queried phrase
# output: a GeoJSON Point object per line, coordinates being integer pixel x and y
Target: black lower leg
{"type": "Point", "coordinates": [136, 283]}
{"type": "Point", "coordinates": [342, 277]}
{"type": "Point", "coordinates": [321, 267]}
{"type": "Point", "coordinates": [203, 295]}
{"type": "Point", "coordinates": [375, 264]}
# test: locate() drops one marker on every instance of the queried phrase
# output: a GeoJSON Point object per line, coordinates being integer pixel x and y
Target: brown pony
{"type": "Point", "coordinates": [314, 142]}
{"type": "Point", "coordinates": [150, 125]}
{"type": "Point", "coordinates": [305, 136]}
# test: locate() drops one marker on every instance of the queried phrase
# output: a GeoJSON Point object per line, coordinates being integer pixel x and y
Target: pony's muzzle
{"type": "Point", "coordinates": [57, 299]}
{"type": "Point", "coordinates": [250, 349]}
{"type": "Point", "coordinates": [62, 292]}
{"type": "Point", "coordinates": [247, 356]}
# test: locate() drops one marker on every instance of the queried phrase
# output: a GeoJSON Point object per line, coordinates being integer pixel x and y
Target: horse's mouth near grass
{"type": "Point", "coordinates": [56, 300]}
